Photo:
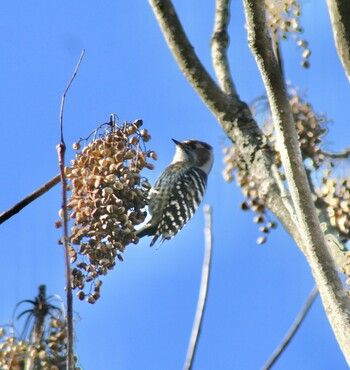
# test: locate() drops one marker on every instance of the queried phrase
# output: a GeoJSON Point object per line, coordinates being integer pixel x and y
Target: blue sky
{"type": "Point", "coordinates": [144, 317]}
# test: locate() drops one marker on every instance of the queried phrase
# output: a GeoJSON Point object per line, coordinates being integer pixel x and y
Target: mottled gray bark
{"type": "Point", "coordinates": [334, 297]}
{"type": "Point", "coordinates": [339, 11]}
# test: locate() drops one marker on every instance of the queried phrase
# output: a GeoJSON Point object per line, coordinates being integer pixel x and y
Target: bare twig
{"type": "Point", "coordinates": [202, 299]}
{"type": "Point", "coordinates": [293, 329]}
{"type": "Point", "coordinates": [345, 154]}
{"type": "Point", "coordinates": [334, 297]}
{"type": "Point", "coordinates": [30, 198]}
{"type": "Point", "coordinates": [277, 51]}
{"type": "Point", "coordinates": [219, 45]}
{"type": "Point", "coordinates": [61, 154]}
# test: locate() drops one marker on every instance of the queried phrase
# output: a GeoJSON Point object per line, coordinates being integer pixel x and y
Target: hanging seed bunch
{"type": "Point", "coordinates": [43, 342]}
{"type": "Point", "coordinates": [12, 350]}
{"type": "Point", "coordinates": [310, 128]}
{"type": "Point", "coordinates": [234, 169]}
{"type": "Point", "coordinates": [107, 201]}
{"type": "Point", "coordinates": [336, 193]}
{"type": "Point", "coordinates": [16, 353]}
{"type": "Point", "coordinates": [283, 19]}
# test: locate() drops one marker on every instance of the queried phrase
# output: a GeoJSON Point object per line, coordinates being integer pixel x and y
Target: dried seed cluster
{"type": "Point", "coordinates": [283, 19]}
{"type": "Point", "coordinates": [107, 201]}
{"type": "Point", "coordinates": [310, 128]}
{"type": "Point", "coordinates": [234, 168]}
{"type": "Point", "coordinates": [336, 193]}
{"type": "Point", "coordinates": [51, 353]}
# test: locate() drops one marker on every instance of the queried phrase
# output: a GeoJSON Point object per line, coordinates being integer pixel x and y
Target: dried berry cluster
{"type": "Point", "coordinates": [235, 169]}
{"type": "Point", "coordinates": [283, 19]}
{"type": "Point", "coordinates": [310, 128]}
{"type": "Point", "coordinates": [107, 201]}
{"type": "Point", "coordinates": [51, 353]}
{"type": "Point", "coordinates": [43, 343]}
{"type": "Point", "coordinates": [336, 193]}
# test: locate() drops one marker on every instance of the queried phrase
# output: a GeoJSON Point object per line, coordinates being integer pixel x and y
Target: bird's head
{"type": "Point", "coordinates": [196, 153]}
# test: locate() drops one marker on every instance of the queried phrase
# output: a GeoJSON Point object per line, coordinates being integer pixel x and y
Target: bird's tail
{"type": "Point", "coordinates": [147, 230]}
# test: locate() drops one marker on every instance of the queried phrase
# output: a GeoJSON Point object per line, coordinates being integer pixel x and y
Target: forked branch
{"type": "Point", "coordinates": [61, 157]}
{"type": "Point", "coordinates": [334, 297]}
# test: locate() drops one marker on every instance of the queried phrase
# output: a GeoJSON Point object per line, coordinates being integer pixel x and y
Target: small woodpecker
{"type": "Point", "coordinates": [178, 191]}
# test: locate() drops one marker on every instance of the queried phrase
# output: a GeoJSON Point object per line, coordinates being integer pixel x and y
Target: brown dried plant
{"type": "Point", "coordinates": [330, 185]}
{"type": "Point", "coordinates": [283, 19]}
{"type": "Point", "coordinates": [43, 342]}
{"type": "Point", "coordinates": [108, 198]}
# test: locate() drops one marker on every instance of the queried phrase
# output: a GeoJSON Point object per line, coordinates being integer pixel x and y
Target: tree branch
{"type": "Point", "coordinates": [30, 198]}
{"type": "Point", "coordinates": [339, 11]}
{"type": "Point", "coordinates": [61, 155]}
{"type": "Point", "coordinates": [202, 299]}
{"type": "Point", "coordinates": [334, 297]}
{"type": "Point", "coordinates": [219, 45]}
{"type": "Point", "coordinates": [232, 113]}
{"type": "Point", "coordinates": [293, 329]}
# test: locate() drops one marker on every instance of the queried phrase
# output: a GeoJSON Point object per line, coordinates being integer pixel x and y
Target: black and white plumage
{"type": "Point", "coordinates": [179, 190]}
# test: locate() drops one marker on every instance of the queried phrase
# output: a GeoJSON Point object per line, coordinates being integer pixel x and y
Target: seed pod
{"type": "Point", "coordinates": [91, 300]}
{"type": "Point", "coordinates": [150, 166]}
{"type": "Point", "coordinates": [129, 154]}
{"type": "Point", "coordinates": [138, 123]}
{"type": "Point", "coordinates": [261, 240]}
{"type": "Point", "coordinates": [146, 185]}
{"type": "Point", "coordinates": [81, 295]}
{"type": "Point", "coordinates": [152, 155]}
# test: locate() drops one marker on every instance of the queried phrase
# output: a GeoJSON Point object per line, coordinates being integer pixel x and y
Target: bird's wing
{"type": "Point", "coordinates": [184, 199]}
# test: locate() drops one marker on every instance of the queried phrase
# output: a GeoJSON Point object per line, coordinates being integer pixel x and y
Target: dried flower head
{"type": "Point", "coordinates": [107, 200]}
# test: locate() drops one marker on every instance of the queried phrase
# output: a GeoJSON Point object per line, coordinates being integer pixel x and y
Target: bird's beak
{"type": "Point", "coordinates": [176, 142]}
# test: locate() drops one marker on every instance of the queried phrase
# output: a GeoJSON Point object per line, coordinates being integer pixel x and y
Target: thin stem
{"type": "Point", "coordinates": [277, 51]}
{"type": "Point", "coordinates": [345, 154]}
{"type": "Point", "coordinates": [66, 90]}
{"type": "Point", "coordinates": [30, 198]}
{"type": "Point", "coordinates": [219, 44]}
{"type": "Point", "coordinates": [202, 298]}
{"type": "Point", "coordinates": [293, 329]}
{"type": "Point", "coordinates": [61, 156]}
